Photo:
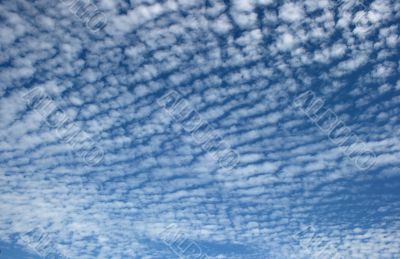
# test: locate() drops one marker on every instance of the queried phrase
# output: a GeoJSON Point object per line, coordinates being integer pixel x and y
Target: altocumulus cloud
{"type": "Point", "coordinates": [240, 66]}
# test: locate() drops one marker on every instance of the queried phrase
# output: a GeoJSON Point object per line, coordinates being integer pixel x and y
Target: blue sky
{"type": "Point", "coordinates": [200, 129]}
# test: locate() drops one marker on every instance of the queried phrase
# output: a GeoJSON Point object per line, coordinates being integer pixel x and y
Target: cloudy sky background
{"type": "Point", "coordinates": [240, 65]}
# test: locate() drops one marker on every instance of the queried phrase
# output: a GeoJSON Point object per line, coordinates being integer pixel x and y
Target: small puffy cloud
{"type": "Point", "coordinates": [291, 12]}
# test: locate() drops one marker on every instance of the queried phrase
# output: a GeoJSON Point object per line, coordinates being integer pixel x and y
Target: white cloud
{"type": "Point", "coordinates": [291, 12]}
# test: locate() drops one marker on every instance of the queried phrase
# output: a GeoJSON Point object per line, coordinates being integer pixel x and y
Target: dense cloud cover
{"type": "Point", "coordinates": [115, 169]}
